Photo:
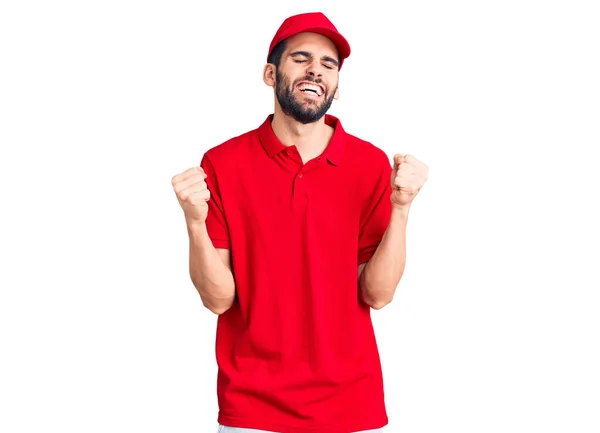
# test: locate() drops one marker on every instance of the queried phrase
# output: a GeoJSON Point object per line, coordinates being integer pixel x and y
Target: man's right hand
{"type": "Point", "coordinates": [192, 194]}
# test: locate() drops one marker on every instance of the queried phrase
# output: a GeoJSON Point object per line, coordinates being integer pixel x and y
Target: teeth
{"type": "Point", "coordinates": [305, 86]}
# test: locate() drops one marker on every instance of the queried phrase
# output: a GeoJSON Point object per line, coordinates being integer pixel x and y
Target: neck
{"type": "Point", "coordinates": [310, 138]}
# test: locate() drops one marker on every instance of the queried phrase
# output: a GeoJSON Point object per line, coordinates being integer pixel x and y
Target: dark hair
{"type": "Point", "coordinates": [276, 53]}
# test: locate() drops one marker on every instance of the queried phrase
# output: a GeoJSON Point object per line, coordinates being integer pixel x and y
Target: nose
{"type": "Point", "coordinates": [313, 70]}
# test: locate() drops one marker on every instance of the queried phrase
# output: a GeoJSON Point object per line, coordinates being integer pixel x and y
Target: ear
{"type": "Point", "coordinates": [269, 75]}
{"type": "Point", "coordinates": [336, 95]}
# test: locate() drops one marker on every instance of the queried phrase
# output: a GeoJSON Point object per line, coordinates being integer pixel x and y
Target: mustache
{"type": "Point", "coordinates": [309, 78]}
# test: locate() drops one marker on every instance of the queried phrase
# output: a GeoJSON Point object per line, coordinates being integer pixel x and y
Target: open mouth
{"type": "Point", "coordinates": [310, 89]}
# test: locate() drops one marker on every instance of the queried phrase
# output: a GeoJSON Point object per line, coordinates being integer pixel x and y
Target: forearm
{"type": "Point", "coordinates": [211, 277]}
{"type": "Point", "coordinates": [382, 273]}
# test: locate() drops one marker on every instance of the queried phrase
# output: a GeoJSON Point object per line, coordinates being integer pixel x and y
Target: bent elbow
{"type": "Point", "coordinates": [379, 301]}
{"type": "Point", "coordinates": [378, 305]}
{"type": "Point", "coordinates": [218, 306]}
{"type": "Point", "coordinates": [218, 310]}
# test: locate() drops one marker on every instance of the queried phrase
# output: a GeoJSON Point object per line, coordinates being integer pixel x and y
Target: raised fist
{"type": "Point", "coordinates": [408, 177]}
{"type": "Point", "coordinates": [192, 194]}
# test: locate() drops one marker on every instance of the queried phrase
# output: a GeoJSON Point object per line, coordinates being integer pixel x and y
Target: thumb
{"type": "Point", "coordinates": [398, 159]}
{"type": "Point", "coordinates": [201, 170]}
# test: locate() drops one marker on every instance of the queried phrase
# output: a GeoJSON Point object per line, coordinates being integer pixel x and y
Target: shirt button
{"type": "Point", "coordinates": [300, 175]}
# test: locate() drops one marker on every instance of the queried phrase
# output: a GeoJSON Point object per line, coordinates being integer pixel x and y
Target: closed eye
{"type": "Point", "coordinates": [303, 61]}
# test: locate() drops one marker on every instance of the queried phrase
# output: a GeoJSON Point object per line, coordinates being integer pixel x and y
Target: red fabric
{"type": "Point", "coordinates": [296, 351]}
{"type": "Point", "coordinates": [315, 22]}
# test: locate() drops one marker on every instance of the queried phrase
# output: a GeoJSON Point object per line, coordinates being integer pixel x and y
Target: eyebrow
{"type": "Point", "coordinates": [310, 56]}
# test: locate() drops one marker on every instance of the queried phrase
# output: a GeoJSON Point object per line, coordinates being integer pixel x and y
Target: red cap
{"type": "Point", "coordinates": [315, 22]}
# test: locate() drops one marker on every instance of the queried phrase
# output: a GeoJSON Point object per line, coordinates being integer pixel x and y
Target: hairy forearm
{"type": "Point", "coordinates": [382, 273]}
{"type": "Point", "coordinates": [211, 277]}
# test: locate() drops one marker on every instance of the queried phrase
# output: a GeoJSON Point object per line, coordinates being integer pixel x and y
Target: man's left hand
{"type": "Point", "coordinates": [408, 177]}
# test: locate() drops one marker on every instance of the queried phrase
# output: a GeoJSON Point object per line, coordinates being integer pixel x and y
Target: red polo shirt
{"type": "Point", "coordinates": [296, 351]}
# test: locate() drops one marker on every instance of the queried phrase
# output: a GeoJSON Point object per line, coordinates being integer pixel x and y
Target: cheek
{"type": "Point", "coordinates": [332, 83]}
{"type": "Point", "coordinates": [294, 71]}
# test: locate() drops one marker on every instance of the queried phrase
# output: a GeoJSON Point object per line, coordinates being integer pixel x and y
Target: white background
{"type": "Point", "coordinates": [495, 324]}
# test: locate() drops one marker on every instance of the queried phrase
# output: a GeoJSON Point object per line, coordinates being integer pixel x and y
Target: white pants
{"type": "Point", "coordinates": [225, 429]}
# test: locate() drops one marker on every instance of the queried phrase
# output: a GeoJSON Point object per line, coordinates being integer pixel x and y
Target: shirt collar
{"type": "Point", "coordinates": [333, 152]}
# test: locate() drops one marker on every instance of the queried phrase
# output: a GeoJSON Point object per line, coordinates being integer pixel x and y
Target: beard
{"type": "Point", "coordinates": [303, 113]}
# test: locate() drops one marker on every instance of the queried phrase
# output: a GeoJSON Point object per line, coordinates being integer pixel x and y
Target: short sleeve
{"type": "Point", "coordinates": [375, 217]}
{"type": "Point", "coordinates": [216, 224]}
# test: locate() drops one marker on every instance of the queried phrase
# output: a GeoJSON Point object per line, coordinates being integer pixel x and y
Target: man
{"type": "Point", "coordinates": [297, 229]}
